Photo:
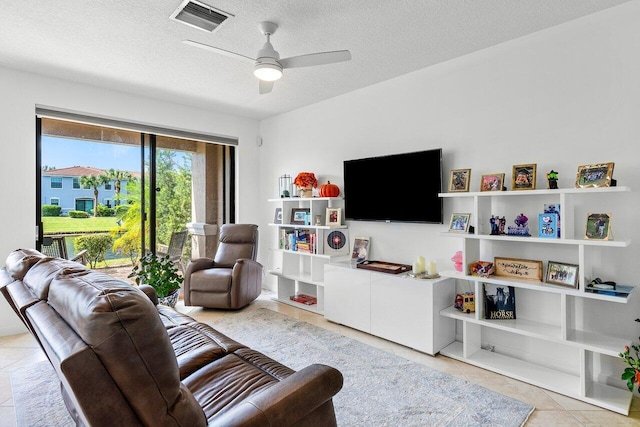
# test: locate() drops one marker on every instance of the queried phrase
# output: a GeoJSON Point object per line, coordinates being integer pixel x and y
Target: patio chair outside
{"type": "Point", "coordinates": [56, 246]}
{"type": "Point", "coordinates": [175, 248]}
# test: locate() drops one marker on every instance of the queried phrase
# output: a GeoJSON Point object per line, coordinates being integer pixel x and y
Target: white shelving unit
{"type": "Point", "coordinates": [300, 272]}
{"type": "Point", "coordinates": [558, 323]}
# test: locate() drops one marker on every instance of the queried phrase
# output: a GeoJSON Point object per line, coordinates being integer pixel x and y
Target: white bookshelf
{"type": "Point", "coordinates": [559, 328]}
{"type": "Point", "coordinates": [299, 272]}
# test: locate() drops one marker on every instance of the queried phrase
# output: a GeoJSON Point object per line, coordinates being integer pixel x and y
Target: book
{"type": "Point", "coordinates": [499, 302]}
{"type": "Point", "coordinates": [304, 299]}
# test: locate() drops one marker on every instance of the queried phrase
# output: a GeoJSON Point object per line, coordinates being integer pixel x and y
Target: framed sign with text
{"type": "Point", "coordinates": [518, 268]}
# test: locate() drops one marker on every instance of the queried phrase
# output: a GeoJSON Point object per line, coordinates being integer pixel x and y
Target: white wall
{"type": "Point", "coordinates": [559, 98]}
{"type": "Point", "coordinates": [21, 92]}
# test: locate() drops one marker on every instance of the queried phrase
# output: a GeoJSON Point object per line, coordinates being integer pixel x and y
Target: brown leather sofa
{"type": "Point", "coordinates": [124, 360]}
{"type": "Point", "coordinates": [233, 278]}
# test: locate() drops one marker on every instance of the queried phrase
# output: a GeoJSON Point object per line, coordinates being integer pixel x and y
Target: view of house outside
{"type": "Point", "coordinates": [91, 197]}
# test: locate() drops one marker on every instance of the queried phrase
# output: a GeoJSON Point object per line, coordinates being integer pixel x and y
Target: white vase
{"type": "Point", "coordinates": [305, 191]}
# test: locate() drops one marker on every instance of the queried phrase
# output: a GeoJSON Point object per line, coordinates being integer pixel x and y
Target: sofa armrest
{"type": "Point", "coordinates": [197, 264]}
{"type": "Point", "coordinates": [150, 292]}
{"type": "Point", "coordinates": [246, 269]}
{"type": "Point", "coordinates": [287, 402]}
{"type": "Point", "coordinates": [246, 282]}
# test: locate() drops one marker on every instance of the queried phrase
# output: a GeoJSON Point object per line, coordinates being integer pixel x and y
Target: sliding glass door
{"type": "Point", "coordinates": [125, 192]}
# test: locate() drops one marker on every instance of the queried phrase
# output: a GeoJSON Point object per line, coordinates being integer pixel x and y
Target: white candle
{"type": "Point", "coordinates": [432, 268]}
{"type": "Point", "coordinates": [416, 267]}
{"type": "Point", "coordinates": [422, 267]}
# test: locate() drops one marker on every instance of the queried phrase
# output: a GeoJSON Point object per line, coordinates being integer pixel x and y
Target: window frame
{"type": "Point", "coordinates": [56, 178]}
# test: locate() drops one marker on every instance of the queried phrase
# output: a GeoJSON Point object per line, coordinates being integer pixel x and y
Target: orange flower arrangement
{"type": "Point", "coordinates": [304, 179]}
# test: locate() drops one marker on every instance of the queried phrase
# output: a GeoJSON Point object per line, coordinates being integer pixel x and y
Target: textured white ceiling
{"type": "Point", "coordinates": [133, 46]}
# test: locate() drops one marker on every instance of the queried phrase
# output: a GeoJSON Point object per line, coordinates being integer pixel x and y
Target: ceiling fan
{"type": "Point", "coordinates": [267, 66]}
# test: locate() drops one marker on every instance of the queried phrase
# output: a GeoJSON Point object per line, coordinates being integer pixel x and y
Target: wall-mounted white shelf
{"type": "Point", "coordinates": [572, 362]}
{"type": "Point", "coordinates": [541, 192]}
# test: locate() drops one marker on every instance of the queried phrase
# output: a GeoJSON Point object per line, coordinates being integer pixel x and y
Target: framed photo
{"type": "Point", "coordinates": [599, 226]}
{"type": "Point", "coordinates": [334, 216]}
{"type": "Point", "coordinates": [563, 274]}
{"type": "Point", "coordinates": [492, 182]}
{"type": "Point", "coordinates": [599, 175]}
{"type": "Point", "coordinates": [523, 177]}
{"type": "Point", "coordinates": [277, 218]}
{"type": "Point", "coordinates": [300, 216]}
{"type": "Point", "coordinates": [518, 268]}
{"type": "Point", "coordinates": [459, 222]}
{"type": "Point", "coordinates": [459, 180]}
{"type": "Point", "coordinates": [360, 249]}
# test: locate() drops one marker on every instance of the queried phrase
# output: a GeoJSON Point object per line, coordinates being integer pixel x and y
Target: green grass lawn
{"type": "Point", "coordinates": [65, 224]}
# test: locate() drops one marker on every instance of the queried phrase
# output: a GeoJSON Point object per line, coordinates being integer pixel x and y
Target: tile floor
{"type": "Point", "coordinates": [551, 409]}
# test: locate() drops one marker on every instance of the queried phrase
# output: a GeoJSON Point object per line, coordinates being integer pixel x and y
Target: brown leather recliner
{"type": "Point", "coordinates": [233, 278]}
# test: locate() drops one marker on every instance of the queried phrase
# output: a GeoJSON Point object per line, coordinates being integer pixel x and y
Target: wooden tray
{"type": "Point", "coordinates": [384, 267]}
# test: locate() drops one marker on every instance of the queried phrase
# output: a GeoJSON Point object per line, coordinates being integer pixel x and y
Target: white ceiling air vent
{"type": "Point", "coordinates": [200, 15]}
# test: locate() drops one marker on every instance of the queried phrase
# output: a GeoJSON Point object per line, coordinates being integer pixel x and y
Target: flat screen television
{"type": "Point", "coordinates": [394, 188]}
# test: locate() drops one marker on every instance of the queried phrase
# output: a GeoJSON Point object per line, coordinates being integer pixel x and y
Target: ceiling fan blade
{"type": "Point", "coordinates": [265, 87]}
{"type": "Point", "coordinates": [315, 59]}
{"type": "Point", "coordinates": [218, 50]}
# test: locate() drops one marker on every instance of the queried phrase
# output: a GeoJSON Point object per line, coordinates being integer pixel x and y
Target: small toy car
{"type": "Point", "coordinates": [465, 302]}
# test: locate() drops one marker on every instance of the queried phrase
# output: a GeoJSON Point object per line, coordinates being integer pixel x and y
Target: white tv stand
{"type": "Point", "coordinates": [398, 308]}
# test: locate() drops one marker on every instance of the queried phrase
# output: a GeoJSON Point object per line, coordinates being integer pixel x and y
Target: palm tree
{"type": "Point", "coordinates": [117, 176]}
{"type": "Point", "coordinates": [94, 181]}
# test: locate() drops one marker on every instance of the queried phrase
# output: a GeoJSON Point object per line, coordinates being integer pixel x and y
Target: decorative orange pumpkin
{"type": "Point", "coordinates": [329, 190]}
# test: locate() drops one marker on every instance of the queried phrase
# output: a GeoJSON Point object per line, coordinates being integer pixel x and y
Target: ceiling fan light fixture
{"type": "Point", "coordinates": [267, 71]}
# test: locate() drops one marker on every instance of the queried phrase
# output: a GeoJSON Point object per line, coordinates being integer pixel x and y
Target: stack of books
{"type": "Point", "coordinates": [300, 240]}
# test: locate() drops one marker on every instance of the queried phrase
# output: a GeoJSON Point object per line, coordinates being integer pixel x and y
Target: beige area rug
{"type": "Point", "coordinates": [36, 397]}
{"type": "Point", "coordinates": [380, 389]}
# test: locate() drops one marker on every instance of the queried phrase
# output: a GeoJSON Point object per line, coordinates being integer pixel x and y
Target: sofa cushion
{"type": "Point", "coordinates": [40, 275]}
{"type": "Point", "coordinates": [221, 383]}
{"type": "Point", "coordinates": [236, 241]}
{"type": "Point", "coordinates": [20, 261]}
{"type": "Point", "coordinates": [197, 344]}
{"type": "Point", "coordinates": [211, 280]}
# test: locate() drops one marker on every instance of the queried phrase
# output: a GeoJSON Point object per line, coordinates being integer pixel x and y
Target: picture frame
{"type": "Point", "coordinates": [333, 216]}
{"type": "Point", "coordinates": [299, 216]}
{"type": "Point", "coordinates": [492, 182]}
{"type": "Point", "coordinates": [459, 222]}
{"type": "Point", "coordinates": [598, 226]}
{"type": "Point", "coordinates": [527, 269]}
{"type": "Point", "coordinates": [597, 175]}
{"type": "Point", "coordinates": [277, 217]}
{"type": "Point", "coordinates": [360, 251]}
{"type": "Point", "coordinates": [559, 273]}
{"type": "Point", "coordinates": [523, 177]}
{"type": "Point", "coordinates": [459, 180]}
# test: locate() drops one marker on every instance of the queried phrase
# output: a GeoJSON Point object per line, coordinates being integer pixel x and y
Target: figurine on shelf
{"type": "Point", "coordinates": [521, 228]}
{"type": "Point", "coordinates": [552, 177]}
{"type": "Point", "coordinates": [497, 225]}
{"type": "Point", "coordinates": [465, 302]}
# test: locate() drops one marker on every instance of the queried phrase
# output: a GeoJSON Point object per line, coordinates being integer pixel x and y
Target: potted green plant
{"type": "Point", "coordinates": [161, 274]}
